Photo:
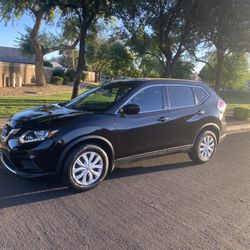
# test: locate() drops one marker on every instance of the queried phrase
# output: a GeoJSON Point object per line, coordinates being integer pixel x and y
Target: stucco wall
{"type": "Point", "coordinates": [90, 76]}
{"type": "Point", "coordinates": [14, 73]}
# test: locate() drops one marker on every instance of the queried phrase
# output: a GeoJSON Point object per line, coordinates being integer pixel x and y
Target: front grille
{"type": "Point", "coordinates": [6, 131]}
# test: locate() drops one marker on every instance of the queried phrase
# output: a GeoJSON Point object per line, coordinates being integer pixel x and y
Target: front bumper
{"type": "Point", "coordinates": [11, 167]}
{"type": "Point", "coordinates": [40, 160]}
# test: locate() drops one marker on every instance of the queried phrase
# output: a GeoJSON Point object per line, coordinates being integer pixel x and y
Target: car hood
{"type": "Point", "coordinates": [45, 117]}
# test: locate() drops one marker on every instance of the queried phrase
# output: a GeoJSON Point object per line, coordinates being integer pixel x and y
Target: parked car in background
{"type": "Point", "coordinates": [105, 79]}
{"type": "Point", "coordinates": [84, 139]}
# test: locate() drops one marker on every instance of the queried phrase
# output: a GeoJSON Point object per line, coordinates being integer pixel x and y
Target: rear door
{"type": "Point", "coordinates": [183, 115]}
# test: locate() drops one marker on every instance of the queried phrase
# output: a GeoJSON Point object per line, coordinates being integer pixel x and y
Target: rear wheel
{"type": "Point", "coordinates": [204, 147]}
{"type": "Point", "coordinates": [85, 167]}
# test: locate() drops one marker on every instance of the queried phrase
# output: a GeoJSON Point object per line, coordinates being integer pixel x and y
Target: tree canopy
{"type": "Point", "coordinates": [164, 28]}
{"type": "Point", "coordinates": [224, 26]}
{"type": "Point", "coordinates": [158, 38]}
{"type": "Point", "coordinates": [235, 71]}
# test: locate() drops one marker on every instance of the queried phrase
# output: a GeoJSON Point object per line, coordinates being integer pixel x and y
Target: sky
{"type": "Point", "coordinates": [11, 31]}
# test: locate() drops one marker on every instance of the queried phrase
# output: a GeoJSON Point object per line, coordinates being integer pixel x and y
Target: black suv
{"type": "Point", "coordinates": [83, 139]}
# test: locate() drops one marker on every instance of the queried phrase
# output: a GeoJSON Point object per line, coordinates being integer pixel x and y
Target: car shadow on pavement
{"type": "Point", "coordinates": [122, 172]}
{"type": "Point", "coordinates": [15, 191]}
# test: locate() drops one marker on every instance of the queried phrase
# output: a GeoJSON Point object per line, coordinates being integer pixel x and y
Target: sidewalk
{"type": "Point", "coordinates": [235, 126]}
{"type": "Point", "coordinates": [238, 128]}
{"type": "Point", "coordinates": [2, 122]}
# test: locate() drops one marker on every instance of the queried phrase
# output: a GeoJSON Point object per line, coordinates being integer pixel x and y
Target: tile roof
{"type": "Point", "coordinates": [14, 55]}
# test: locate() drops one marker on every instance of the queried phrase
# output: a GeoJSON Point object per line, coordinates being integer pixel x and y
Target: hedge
{"type": "Point", "coordinates": [241, 113]}
{"type": "Point", "coordinates": [57, 80]}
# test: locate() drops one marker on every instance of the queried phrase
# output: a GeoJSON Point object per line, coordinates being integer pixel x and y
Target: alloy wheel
{"type": "Point", "coordinates": [206, 147]}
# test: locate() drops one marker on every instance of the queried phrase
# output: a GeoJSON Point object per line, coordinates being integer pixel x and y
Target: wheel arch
{"type": "Point", "coordinates": [100, 141]}
{"type": "Point", "coordinates": [213, 127]}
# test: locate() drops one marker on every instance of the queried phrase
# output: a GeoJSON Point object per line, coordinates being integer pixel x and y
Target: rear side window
{"type": "Point", "coordinates": [181, 96]}
{"type": "Point", "coordinates": [149, 99]}
{"type": "Point", "coordinates": [201, 94]}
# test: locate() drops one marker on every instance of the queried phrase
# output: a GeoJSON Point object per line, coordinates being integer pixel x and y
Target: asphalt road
{"type": "Point", "coordinates": [164, 203]}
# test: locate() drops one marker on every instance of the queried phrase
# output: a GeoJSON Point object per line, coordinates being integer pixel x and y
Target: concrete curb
{"type": "Point", "coordinates": [238, 128]}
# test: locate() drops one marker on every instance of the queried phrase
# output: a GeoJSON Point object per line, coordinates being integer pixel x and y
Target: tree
{"type": "Point", "coordinates": [235, 71]}
{"type": "Point", "coordinates": [40, 10]}
{"type": "Point", "coordinates": [69, 58]}
{"type": "Point", "coordinates": [121, 61]}
{"type": "Point", "coordinates": [109, 56]}
{"type": "Point", "coordinates": [48, 41]}
{"type": "Point", "coordinates": [151, 67]}
{"type": "Point", "coordinates": [87, 12]}
{"type": "Point", "coordinates": [183, 70]}
{"type": "Point", "coordinates": [98, 55]}
{"type": "Point", "coordinates": [225, 27]}
{"type": "Point", "coordinates": [163, 28]}
{"type": "Point", "coordinates": [33, 41]}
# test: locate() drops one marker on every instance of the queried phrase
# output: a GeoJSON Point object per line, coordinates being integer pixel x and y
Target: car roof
{"type": "Point", "coordinates": [149, 81]}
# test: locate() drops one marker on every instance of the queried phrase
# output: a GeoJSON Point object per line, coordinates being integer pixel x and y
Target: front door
{"type": "Point", "coordinates": [142, 133]}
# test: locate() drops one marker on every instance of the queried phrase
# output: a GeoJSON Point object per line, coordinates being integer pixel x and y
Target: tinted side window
{"type": "Point", "coordinates": [181, 96]}
{"type": "Point", "coordinates": [149, 99]}
{"type": "Point", "coordinates": [201, 94]}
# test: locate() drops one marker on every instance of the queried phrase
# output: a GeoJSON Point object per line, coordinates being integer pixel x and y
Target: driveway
{"type": "Point", "coordinates": [164, 203]}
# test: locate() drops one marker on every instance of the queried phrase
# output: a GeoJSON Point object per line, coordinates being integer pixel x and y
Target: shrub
{"type": "Point", "coordinates": [241, 113]}
{"type": "Point", "coordinates": [57, 80]}
{"type": "Point", "coordinates": [84, 76]}
{"type": "Point", "coordinates": [66, 79]}
{"type": "Point", "coordinates": [71, 74]}
{"type": "Point", "coordinates": [58, 72]}
{"type": "Point", "coordinates": [47, 64]}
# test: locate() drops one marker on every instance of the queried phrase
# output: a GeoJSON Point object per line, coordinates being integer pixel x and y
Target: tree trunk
{"type": "Point", "coordinates": [81, 64]}
{"type": "Point", "coordinates": [34, 37]}
{"type": "Point", "coordinates": [96, 76]}
{"type": "Point", "coordinates": [219, 69]}
{"type": "Point", "coordinates": [73, 59]}
{"type": "Point", "coordinates": [39, 70]}
{"type": "Point", "coordinates": [168, 70]}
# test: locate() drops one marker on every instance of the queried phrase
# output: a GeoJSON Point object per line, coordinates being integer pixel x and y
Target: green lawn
{"type": "Point", "coordinates": [11, 105]}
{"type": "Point", "coordinates": [237, 99]}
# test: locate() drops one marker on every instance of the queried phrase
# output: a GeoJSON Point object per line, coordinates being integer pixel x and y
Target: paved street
{"type": "Point", "coordinates": [165, 203]}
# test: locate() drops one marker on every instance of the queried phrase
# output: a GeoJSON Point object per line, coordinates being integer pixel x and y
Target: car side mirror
{"type": "Point", "coordinates": [131, 109]}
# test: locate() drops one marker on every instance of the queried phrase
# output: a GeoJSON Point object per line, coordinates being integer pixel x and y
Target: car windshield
{"type": "Point", "coordinates": [101, 98]}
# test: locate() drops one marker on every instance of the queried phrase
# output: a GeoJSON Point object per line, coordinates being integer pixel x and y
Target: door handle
{"type": "Point", "coordinates": [163, 119]}
{"type": "Point", "coordinates": [201, 112]}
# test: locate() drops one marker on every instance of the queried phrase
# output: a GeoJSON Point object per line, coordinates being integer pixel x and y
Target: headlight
{"type": "Point", "coordinates": [36, 136]}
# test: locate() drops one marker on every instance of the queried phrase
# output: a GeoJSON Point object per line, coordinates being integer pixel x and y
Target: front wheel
{"type": "Point", "coordinates": [204, 147]}
{"type": "Point", "coordinates": [85, 167]}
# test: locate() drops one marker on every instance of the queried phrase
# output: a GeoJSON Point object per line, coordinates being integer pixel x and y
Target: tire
{"type": "Point", "coordinates": [204, 147]}
{"type": "Point", "coordinates": [85, 167]}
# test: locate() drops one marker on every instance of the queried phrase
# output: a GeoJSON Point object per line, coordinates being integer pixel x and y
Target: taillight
{"type": "Point", "coordinates": [222, 105]}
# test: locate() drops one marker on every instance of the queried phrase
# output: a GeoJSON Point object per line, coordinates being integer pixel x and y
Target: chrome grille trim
{"type": "Point", "coordinates": [11, 132]}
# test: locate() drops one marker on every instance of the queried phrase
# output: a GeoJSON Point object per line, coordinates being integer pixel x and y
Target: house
{"type": "Point", "coordinates": [196, 76]}
{"type": "Point", "coordinates": [17, 69]}
{"type": "Point", "coordinates": [56, 65]}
